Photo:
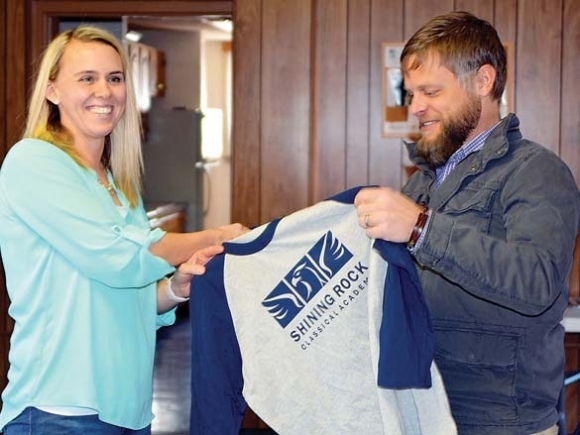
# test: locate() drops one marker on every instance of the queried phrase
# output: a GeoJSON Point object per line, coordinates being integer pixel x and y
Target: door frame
{"type": "Point", "coordinates": [46, 14]}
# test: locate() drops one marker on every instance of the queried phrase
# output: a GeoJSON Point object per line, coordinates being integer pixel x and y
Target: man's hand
{"type": "Point", "coordinates": [386, 213]}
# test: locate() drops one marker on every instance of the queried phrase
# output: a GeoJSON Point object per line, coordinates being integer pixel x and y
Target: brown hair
{"type": "Point", "coordinates": [462, 43]}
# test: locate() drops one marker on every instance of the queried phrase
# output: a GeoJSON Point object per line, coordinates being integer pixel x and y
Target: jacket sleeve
{"type": "Point", "coordinates": [527, 268]}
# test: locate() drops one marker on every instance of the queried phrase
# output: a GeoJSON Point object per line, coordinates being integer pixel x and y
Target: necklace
{"type": "Point", "coordinates": [111, 191]}
{"type": "Point", "coordinates": [108, 186]}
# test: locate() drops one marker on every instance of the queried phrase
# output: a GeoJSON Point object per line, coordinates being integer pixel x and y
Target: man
{"type": "Point", "coordinates": [490, 219]}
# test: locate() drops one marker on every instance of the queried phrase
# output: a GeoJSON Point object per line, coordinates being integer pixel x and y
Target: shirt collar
{"type": "Point", "coordinates": [466, 149]}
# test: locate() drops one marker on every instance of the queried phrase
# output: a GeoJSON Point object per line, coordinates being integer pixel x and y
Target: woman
{"type": "Point", "coordinates": [85, 273]}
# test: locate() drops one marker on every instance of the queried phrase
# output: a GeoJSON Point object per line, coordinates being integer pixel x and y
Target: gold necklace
{"type": "Point", "coordinates": [109, 187]}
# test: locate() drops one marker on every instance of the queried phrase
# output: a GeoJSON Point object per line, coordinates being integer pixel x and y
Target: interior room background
{"type": "Point", "coordinates": [307, 91]}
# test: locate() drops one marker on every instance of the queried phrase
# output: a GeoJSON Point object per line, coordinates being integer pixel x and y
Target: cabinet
{"type": "Point", "coordinates": [148, 71]}
{"type": "Point", "coordinates": [157, 73]}
{"type": "Point", "coordinates": [170, 217]}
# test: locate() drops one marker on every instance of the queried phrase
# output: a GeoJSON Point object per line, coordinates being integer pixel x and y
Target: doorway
{"type": "Point", "coordinates": [155, 18]}
{"type": "Point", "coordinates": [197, 70]}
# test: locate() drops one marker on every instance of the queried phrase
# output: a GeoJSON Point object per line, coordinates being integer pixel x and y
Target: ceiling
{"type": "Point", "coordinates": [216, 27]}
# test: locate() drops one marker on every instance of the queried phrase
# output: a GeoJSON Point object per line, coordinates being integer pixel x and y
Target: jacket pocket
{"type": "Point", "coordinates": [478, 364]}
{"type": "Point", "coordinates": [473, 205]}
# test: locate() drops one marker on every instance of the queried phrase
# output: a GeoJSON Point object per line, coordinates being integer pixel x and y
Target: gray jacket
{"type": "Point", "coordinates": [494, 267]}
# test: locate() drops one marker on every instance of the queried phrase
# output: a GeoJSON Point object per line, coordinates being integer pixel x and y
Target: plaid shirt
{"type": "Point", "coordinates": [466, 149]}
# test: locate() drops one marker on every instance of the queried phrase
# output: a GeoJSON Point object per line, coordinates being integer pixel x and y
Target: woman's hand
{"type": "Point", "coordinates": [231, 231]}
{"type": "Point", "coordinates": [195, 265]}
{"type": "Point", "coordinates": [181, 279]}
{"type": "Point", "coordinates": [177, 248]}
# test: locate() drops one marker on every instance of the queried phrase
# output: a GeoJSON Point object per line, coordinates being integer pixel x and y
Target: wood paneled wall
{"type": "Point", "coordinates": [307, 89]}
{"type": "Point", "coordinates": [2, 76]}
{"type": "Point", "coordinates": [310, 73]}
{"type": "Point", "coordinates": [307, 92]}
{"type": "Point", "coordinates": [12, 104]}
{"type": "Point", "coordinates": [13, 49]}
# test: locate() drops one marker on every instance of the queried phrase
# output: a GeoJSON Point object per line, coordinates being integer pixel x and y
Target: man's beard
{"type": "Point", "coordinates": [455, 131]}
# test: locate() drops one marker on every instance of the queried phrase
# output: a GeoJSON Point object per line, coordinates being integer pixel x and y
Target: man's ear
{"type": "Point", "coordinates": [52, 94]}
{"type": "Point", "coordinates": [485, 80]}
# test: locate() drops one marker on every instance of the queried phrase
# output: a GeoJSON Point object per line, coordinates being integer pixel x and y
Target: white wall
{"type": "Point", "coordinates": [216, 93]}
{"type": "Point", "coordinates": [182, 68]}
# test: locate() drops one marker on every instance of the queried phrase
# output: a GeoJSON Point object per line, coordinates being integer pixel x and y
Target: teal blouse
{"type": "Point", "coordinates": [82, 286]}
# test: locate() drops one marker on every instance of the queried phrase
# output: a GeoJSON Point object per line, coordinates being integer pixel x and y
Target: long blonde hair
{"type": "Point", "coordinates": [122, 152]}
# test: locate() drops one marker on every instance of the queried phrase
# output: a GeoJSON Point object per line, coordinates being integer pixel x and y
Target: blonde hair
{"type": "Point", "coordinates": [122, 153]}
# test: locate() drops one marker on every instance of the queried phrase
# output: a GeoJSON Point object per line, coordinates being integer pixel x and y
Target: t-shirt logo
{"type": "Point", "coordinates": [306, 278]}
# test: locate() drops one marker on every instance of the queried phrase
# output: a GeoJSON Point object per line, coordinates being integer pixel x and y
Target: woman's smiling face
{"type": "Point", "coordinates": [89, 90]}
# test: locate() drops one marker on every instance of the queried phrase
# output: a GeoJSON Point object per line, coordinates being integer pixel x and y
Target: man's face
{"type": "Point", "coordinates": [447, 113]}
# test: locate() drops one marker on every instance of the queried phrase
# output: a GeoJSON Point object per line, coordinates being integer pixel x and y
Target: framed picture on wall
{"type": "Point", "coordinates": [397, 119]}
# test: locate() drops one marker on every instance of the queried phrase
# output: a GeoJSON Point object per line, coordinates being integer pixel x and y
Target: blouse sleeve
{"type": "Point", "coordinates": [67, 208]}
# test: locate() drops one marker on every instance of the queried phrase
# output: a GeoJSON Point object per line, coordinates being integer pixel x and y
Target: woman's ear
{"type": "Point", "coordinates": [52, 94]}
{"type": "Point", "coordinates": [485, 80]}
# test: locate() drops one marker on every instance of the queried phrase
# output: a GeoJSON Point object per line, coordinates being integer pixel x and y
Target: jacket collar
{"type": "Point", "coordinates": [495, 146]}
